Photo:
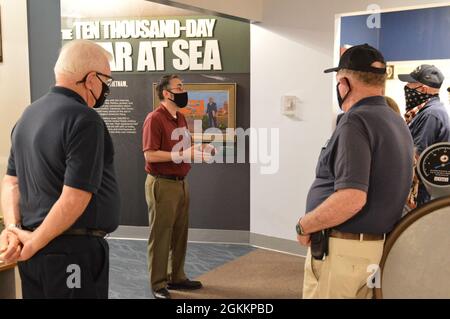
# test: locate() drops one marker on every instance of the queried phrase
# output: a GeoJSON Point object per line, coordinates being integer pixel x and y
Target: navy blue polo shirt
{"type": "Point", "coordinates": [431, 125]}
{"type": "Point", "coordinates": [371, 150]}
{"type": "Point", "coordinates": [60, 141]}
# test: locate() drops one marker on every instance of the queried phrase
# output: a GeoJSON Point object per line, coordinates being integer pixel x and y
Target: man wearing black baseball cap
{"type": "Point", "coordinates": [425, 114]}
{"type": "Point", "coordinates": [362, 180]}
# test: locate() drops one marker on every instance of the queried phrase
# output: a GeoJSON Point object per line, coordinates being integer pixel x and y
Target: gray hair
{"type": "Point", "coordinates": [367, 78]}
{"type": "Point", "coordinates": [79, 57]}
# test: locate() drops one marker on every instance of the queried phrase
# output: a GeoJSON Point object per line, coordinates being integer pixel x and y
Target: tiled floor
{"type": "Point", "coordinates": [128, 264]}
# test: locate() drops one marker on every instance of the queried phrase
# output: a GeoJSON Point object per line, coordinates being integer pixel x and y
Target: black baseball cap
{"type": "Point", "coordinates": [425, 74]}
{"type": "Point", "coordinates": [360, 58]}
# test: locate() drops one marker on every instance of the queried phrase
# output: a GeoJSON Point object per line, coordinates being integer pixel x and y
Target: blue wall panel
{"type": "Point", "coordinates": [354, 31]}
{"type": "Point", "coordinates": [422, 34]}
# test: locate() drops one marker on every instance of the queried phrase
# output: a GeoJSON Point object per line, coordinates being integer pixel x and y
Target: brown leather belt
{"type": "Point", "coordinates": [172, 177]}
{"type": "Point", "coordinates": [363, 237]}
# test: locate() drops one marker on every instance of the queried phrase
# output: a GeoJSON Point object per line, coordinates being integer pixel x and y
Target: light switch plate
{"type": "Point", "coordinates": [288, 105]}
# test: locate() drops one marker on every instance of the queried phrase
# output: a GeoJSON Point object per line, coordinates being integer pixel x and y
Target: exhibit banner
{"type": "Point", "coordinates": [212, 55]}
{"type": "Point", "coordinates": [168, 44]}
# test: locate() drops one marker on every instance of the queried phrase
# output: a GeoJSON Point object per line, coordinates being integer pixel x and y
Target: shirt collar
{"type": "Point", "coordinates": [371, 100]}
{"type": "Point", "coordinates": [68, 92]}
{"type": "Point", "coordinates": [433, 100]}
{"type": "Point", "coordinates": [165, 111]}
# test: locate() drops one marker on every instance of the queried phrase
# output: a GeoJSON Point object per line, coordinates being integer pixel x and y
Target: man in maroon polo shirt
{"type": "Point", "coordinates": [168, 152]}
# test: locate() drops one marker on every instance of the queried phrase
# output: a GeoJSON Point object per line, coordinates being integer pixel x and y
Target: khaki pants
{"type": "Point", "coordinates": [168, 207]}
{"type": "Point", "coordinates": [344, 272]}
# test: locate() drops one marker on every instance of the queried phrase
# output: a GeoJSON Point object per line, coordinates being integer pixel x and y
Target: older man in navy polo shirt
{"type": "Point", "coordinates": [60, 187]}
{"type": "Point", "coordinates": [425, 114]}
{"type": "Point", "coordinates": [362, 181]}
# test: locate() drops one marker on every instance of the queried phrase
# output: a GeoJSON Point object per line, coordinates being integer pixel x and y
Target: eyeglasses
{"type": "Point", "coordinates": [108, 82]}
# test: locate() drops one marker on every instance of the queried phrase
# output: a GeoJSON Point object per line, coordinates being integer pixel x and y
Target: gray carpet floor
{"type": "Point", "coordinates": [128, 277]}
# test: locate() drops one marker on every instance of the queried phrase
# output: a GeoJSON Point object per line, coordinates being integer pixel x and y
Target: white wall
{"type": "Point", "coordinates": [14, 71]}
{"type": "Point", "coordinates": [289, 50]}
{"type": "Point", "coordinates": [248, 9]}
{"type": "Point", "coordinates": [118, 8]}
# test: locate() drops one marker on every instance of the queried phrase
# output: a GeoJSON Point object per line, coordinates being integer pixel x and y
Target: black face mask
{"type": "Point", "coordinates": [180, 99]}
{"type": "Point", "coordinates": [102, 97]}
{"type": "Point", "coordinates": [341, 99]}
{"type": "Point", "coordinates": [103, 94]}
{"type": "Point", "coordinates": [414, 98]}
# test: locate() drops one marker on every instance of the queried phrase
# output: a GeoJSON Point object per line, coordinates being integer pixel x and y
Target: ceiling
{"type": "Point", "coordinates": [118, 8]}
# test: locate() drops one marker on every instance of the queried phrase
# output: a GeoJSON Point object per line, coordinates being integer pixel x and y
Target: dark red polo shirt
{"type": "Point", "coordinates": [157, 136]}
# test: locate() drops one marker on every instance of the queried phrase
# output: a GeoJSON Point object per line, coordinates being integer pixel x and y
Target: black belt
{"type": "Point", "coordinates": [86, 232]}
{"type": "Point", "coordinates": [78, 232]}
{"type": "Point", "coordinates": [172, 177]}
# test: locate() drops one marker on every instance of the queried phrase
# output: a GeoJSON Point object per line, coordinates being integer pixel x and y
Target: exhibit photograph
{"type": "Point", "coordinates": [235, 157]}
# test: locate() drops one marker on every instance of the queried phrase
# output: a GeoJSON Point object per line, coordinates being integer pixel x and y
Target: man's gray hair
{"type": "Point", "coordinates": [79, 57]}
{"type": "Point", "coordinates": [367, 78]}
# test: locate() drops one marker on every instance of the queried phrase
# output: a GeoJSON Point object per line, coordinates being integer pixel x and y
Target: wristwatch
{"type": "Point", "coordinates": [299, 228]}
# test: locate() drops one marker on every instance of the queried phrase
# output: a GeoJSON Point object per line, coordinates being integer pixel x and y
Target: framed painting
{"type": "Point", "coordinates": [390, 70]}
{"type": "Point", "coordinates": [211, 110]}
